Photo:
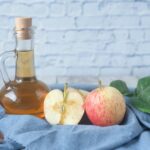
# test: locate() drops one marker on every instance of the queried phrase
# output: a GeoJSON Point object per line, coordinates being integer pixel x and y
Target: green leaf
{"type": "Point", "coordinates": [140, 105]}
{"type": "Point", "coordinates": [143, 83]}
{"type": "Point", "coordinates": [142, 96]}
{"type": "Point", "coordinates": [121, 86]}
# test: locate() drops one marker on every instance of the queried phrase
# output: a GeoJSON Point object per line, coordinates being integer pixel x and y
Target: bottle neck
{"type": "Point", "coordinates": [25, 60]}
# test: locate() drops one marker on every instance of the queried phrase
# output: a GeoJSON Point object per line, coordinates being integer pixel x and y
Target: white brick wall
{"type": "Point", "coordinates": [84, 37]}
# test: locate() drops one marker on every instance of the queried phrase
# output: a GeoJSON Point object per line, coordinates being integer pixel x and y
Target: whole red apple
{"type": "Point", "coordinates": [105, 106]}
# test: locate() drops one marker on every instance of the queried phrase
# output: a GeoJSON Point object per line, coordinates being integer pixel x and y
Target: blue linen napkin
{"type": "Point", "coordinates": [31, 133]}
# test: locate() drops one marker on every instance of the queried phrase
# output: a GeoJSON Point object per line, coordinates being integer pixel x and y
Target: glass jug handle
{"type": "Point", "coordinates": [3, 58]}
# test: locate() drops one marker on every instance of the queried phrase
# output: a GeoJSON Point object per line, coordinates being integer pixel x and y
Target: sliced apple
{"type": "Point", "coordinates": [53, 106]}
{"type": "Point", "coordinates": [83, 93]}
{"type": "Point", "coordinates": [63, 108]}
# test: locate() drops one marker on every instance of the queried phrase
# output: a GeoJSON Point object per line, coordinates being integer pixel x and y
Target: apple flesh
{"type": "Point", "coordinates": [105, 106]}
{"type": "Point", "coordinates": [60, 109]}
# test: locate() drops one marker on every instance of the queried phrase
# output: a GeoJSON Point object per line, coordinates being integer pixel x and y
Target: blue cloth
{"type": "Point", "coordinates": [31, 133]}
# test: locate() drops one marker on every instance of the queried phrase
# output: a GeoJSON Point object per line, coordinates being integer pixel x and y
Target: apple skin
{"type": "Point", "coordinates": [105, 106]}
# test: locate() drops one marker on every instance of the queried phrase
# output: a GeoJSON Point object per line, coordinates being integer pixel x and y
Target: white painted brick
{"type": "Point", "coordinates": [54, 49]}
{"type": "Point", "coordinates": [51, 71]}
{"type": "Point", "coordinates": [105, 36]}
{"type": "Point", "coordinates": [8, 46]}
{"type": "Point", "coordinates": [121, 48]}
{"type": "Point", "coordinates": [124, 8]}
{"type": "Point", "coordinates": [118, 61]}
{"type": "Point", "coordinates": [92, 22]}
{"type": "Point", "coordinates": [142, 71]}
{"type": "Point", "coordinates": [5, 9]}
{"type": "Point", "coordinates": [124, 22]}
{"type": "Point", "coordinates": [145, 60]}
{"type": "Point", "coordinates": [108, 22]}
{"type": "Point", "coordinates": [77, 80]}
{"type": "Point", "coordinates": [147, 35]}
{"type": "Point", "coordinates": [71, 61]}
{"type": "Point", "coordinates": [143, 48]}
{"type": "Point", "coordinates": [134, 61]}
{"type": "Point", "coordinates": [90, 9]}
{"type": "Point", "coordinates": [115, 71]}
{"type": "Point", "coordinates": [33, 1]}
{"type": "Point", "coordinates": [80, 36]}
{"type": "Point", "coordinates": [58, 23]}
{"type": "Point", "coordinates": [46, 61]}
{"type": "Point", "coordinates": [57, 9]}
{"type": "Point", "coordinates": [84, 71]}
{"type": "Point", "coordinates": [74, 9]}
{"type": "Point", "coordinates": [120, 35]}
{"type": "Point", "coordinates": [40, 36]}
{"type": "Point", "coordinates": [145, 21]}
{"type": "Point", "coordinates": [3, 34]}
{"type": "Point", "coordinates": [136, 35]}
{"type": "Point", "coordinates": [84, 47]}
{"type": "Point", "coordinates": [101, 60]}
{"type": "Point", "coordinates": [39, 10]}
{"type": "Point", "coordinates": [83, 37]}
{"type": "Point", "coordinates": [55, 36]}
{"type": "Point", "coordinates": [6, 22]}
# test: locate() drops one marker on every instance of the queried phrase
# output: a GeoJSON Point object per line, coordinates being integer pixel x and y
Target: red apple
{"type": "Point", "coordinates": [105, 106]}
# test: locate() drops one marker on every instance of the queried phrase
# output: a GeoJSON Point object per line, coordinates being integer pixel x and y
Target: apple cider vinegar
{"type": "Point", "coordinates": [25, 94]}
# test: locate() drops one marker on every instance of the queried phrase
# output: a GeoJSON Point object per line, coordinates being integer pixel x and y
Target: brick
{"type": "Point", "coordinates": [68, 61]}
{"type": "Point", "coordinates": [61, 23]}
{"type": "Point", "coordinates": [38, 10]}
{"type": "Point", "coordinates": [6, 22]}
{"type": "Point", "coordinates": [51, 71]}
{"type": "Point", "coordinates": [115, 71]}
{"type": "Point", "coordinates": [84, 47]}
{"type": "Point", "coordinates": [82, 71]}
{"type": "Point", "coordinates": [77, 80]}
{"type": "Point", "coordinates": [3, 34]}
{"type": "Point", "coordinates": [121, 48]}
{"type": "Point", "coordinates": [121, 35]}
{"type": "Point", "coordinates": [136, 35]}
{"type": "Point", "coordinates": [101, 60]}
{"type": "Point", "coordinates": [33, 1]}
{"type": "Point", "coordinates": [108, 22]}
{"type": "Point", "coordinates": [118, 61]}
{"type": "Point", "coordinates": [146, 34]}
{"type": "Point", "coordinates": [53, 49]}
{"type": "Point", "coordinates": [55, 36]}
{"type": "Point", "coordinates": [92, 22]}
{"type": "Point", "coordinates": [124, 22]}
{"type": "Point", "coordinates": [90, 9]}
{"type": "Point", "coordinates": [124, 8]}
{"type": "Point", "coordinates": [5, 9]}
{"type": "Point", "coordinates": [141, 71]}
{"type": "Point", "coordinates": [81, 36]}
{"type": "Point", "coordinates": [40, 36]}
{"type": "Point", "coordinates": [143, 48]}
{"type": "Point", "coordinates": [145, 60]}
{"type": "Point", "coordinates": [7, 46]}
{"type": "Point", "coordinates": [57, 9]}
{"type": "Point", "coordinates": [105, 35]}
{"type": "Point", "coordinates": [74, 9]}
{"type": "Point", "coordinates": [134, 61]}
{"type": "Point", "coordinates": [145, 21]}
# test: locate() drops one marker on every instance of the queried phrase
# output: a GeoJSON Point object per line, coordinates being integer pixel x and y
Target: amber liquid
{"type": "Point", "coordinates": [24, 95]}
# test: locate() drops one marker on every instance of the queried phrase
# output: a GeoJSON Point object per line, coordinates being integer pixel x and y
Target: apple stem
{"type": "Point", "coordinates": [65, 90]}
{"type": "Point", "coordinates": [100, 83]}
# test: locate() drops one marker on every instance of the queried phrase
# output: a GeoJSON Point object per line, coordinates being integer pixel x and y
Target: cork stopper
{"type": "Point", "coordinates": [22, 26]}
{"type": "Point", "coordinates": [23, 22]}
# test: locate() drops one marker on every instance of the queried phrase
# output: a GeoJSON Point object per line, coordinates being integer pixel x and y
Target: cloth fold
{"type": "Point", "coordinates": [31, 133]}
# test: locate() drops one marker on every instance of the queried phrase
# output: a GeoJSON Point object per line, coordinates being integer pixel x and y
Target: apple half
{"type": "Point", "coordinates": [63, 107]}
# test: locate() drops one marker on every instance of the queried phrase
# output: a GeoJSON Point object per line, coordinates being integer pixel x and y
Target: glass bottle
{"type": "Point", "coordinates": [25, 94]}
